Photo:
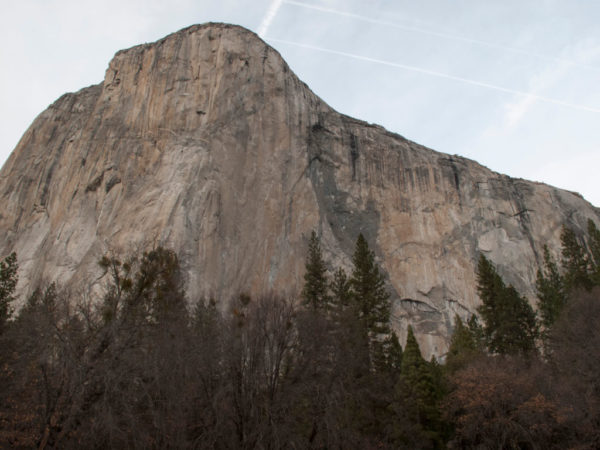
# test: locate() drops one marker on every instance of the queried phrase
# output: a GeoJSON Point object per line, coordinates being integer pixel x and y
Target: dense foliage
{"type": "Point", "coordinates": [146, 367]}
{"type": "Point", "coordinates": [510, 323]}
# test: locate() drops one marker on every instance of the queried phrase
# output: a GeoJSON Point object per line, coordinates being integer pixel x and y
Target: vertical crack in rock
{"type": "Point", "coordinates": [522, 214]}
{"type": "Point", "coordinates": [353, 154]}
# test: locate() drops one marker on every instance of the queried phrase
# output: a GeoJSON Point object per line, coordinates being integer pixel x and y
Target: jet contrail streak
{"type": "Point", "coordinates": [266, 22]}
{"type": "Point", "coordinates": [438, 34]}
{"type": "Point", "coordinates": [440, 75]}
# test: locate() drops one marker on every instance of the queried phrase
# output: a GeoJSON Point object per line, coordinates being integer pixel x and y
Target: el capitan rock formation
{"type": "Point", "coordinates": [206, 142]}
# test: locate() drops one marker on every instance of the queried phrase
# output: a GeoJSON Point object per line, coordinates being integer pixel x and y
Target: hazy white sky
{"type": "Point", "coordinates": [513, 84]}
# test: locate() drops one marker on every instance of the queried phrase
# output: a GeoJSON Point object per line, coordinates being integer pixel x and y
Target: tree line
{"type": "Point", "coordinates": [146, 367]}
{"type": "Point", "coordinates": [525, 379]}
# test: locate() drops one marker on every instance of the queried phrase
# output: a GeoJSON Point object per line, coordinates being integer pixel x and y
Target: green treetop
{"type": "Point", "coordinates": [550, 290]}
{"type": "Point", "coordinates": [419, 377]}
{"type": "Point", "coordinates": [394, 354]}
{"type": "Point", "coordinates": [368, 290]}
{"type": "Point", "coordinates": [340, 289]}
{"type": "Point", "coordinates": [594, 242]}
{"type": "Point", "coordinates": [510, 324]}
{"type": "Point", "coordinates": [575, 262]}
{"type": "Point", "coordinates": [314, 293]}
{"type": "Point", "coordinates": [464, 345]}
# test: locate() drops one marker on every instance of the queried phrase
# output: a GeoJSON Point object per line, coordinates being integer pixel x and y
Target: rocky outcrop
{"type": "Point", "coordinates": [205, 141]}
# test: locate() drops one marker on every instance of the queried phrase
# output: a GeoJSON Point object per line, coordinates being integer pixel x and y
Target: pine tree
{"type": "Point", "coordinates": [476, 331]}
{"type": "Point", "coordinates": [575, 262]}
{"type": "Point", "coordinates": [371, 302]}
{"type": "Point", "coordinates": [594, 243]}
{"type": "Point", "coordinates": [510, 322]}
{"type": "Point", "coordinates": [314, 293]}
{"type": "Point", "coordinates": [464, 346]}
{"type": "Point", "coordinates": [394, 354]}
{"type": "Point", "coordinates": [368, 290]}
{"type": "Point", "coordinates": [8, 284]}
{"type": "Point", "coordinates": [412, 361]}
{"type": "Point", "coordinates": [340, 289]}
{"type": "Point", "coordinates": [550, 290]}
{"type": "Point", "coordinates": [423, 384]}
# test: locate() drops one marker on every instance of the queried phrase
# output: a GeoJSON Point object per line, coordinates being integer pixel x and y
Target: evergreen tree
{"type": "Point", "coordinates": [464, 346]}
{"type": "Point", "coordinates": [394, 354]}
{"type": "Point", "coordinates": [314, 293]}
{"type": "Point", "coordinates": [340, 289]}
{"type": "Point", "coordinates": [476, 331]}
{"type": "Point", "coordinates": [368, 290]}
{"type": "Point", "coordinates": [412, 361]}
{"type": "Point", "coordinates": [423, 382]}
{"type": "Point", "coordinates": [510, 322]}
{"type": "Point", "coordinates": [550, 290]}
{"type": "Point", "coordinates": [594, 242]}
{"type": "Point", "coordinates": [575, 262]}
{"type": "Point", "coordinates": [8, 283]}
{"type": "Point", "coordinates": [371, 302]}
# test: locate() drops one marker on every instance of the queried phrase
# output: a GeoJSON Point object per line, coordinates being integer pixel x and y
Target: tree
{"type": "Point", "coordinates": [424, 388]}
{"type": "Point", "coordinates": [8, 283]}
{"type": "Point", "coordinates": [510, 322]}
{"type": "Point", "coordinates": [314, 293]}
{"type": "Point", "coordinates": [157, 293]}
{"type": "Point", "coordinates": [119, 285]}
{"type": "Point", "coordinates": [464, 346]}
{"type": "Point", "coordinates": [575, 262]}
{"type": "Point", "coordinates": [574, 354]}
{"type": "Point", "coordinates": [370, 300]}
{"type": "Point", "coordinates": [594, 242]}
{"type": "Point", "coordinates": [510, 402]}
{"type": "Point", "coordinates": [551, 290]}
{"type": "Point", "coordinates": [394, 354]}
{"type": "Point", "coordinates": [340, 289]}
{"type": "Point", "coordinates": [476, 331]}
{"type": "Point", "coordinates": [368, 289]}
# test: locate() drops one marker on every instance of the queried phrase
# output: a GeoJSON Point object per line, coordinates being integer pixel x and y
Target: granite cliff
{"type": "Point", "coordinates": [206, 142]}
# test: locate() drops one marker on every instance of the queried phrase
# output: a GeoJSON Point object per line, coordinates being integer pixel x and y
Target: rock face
{"type": "Point", "coordinates": [206, 142]}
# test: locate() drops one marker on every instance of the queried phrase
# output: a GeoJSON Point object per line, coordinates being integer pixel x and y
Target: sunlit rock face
{"type": "Point", "coordinates": [206, 142]}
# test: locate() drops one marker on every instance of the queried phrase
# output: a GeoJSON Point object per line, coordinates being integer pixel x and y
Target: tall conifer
{"type": "Point", "coordinates": [419, 377]}
{"type": "Point", "coordinates": [575, 262]}
{"type": "Point", "coordinates": [463, 346]}
{"type": "Point", "coordinates": [594, 242]}
{"type": "Point", "coordinates": [550, 290]}
{"type": "Point", "coordinates": [314, 293]}
{"type": "Point", "coordinates": [510, 324]}
{"type": "Point", "coordinates": [371, 302]}
{"type": "Point", "coordinates": [340, 289]}
{"type": "Point", "coordinates": [368, 289]}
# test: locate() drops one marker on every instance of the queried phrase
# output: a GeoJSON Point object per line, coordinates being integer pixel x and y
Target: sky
{"type": "Point", "coordinates": [512, 84]}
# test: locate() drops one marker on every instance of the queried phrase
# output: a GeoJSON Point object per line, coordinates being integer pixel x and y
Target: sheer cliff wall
{"type": "Point", "coordinates": [206, 142]}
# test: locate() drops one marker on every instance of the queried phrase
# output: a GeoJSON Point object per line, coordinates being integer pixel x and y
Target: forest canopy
{"type": "Point", "coordinates": [144, 366]}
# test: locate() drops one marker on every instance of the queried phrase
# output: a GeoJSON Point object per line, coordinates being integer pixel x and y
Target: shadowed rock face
{"type": "Point", "coordinates": [206, 142]}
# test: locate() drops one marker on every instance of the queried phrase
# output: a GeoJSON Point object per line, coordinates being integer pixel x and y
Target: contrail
{"type": "Point", "coordinates": [266, 22]}
{"type": "Point", "coordinates": [440, 75]}
{"type": "Point", "coordinates": [441, 35]}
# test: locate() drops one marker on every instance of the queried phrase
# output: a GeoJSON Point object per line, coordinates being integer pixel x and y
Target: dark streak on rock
{"type": "Point", "coordinates": [353, 154]}
{"type": "Point", "coordinates": [95, 184]}
{"type": "Point", "coordinates": [111, 183]}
